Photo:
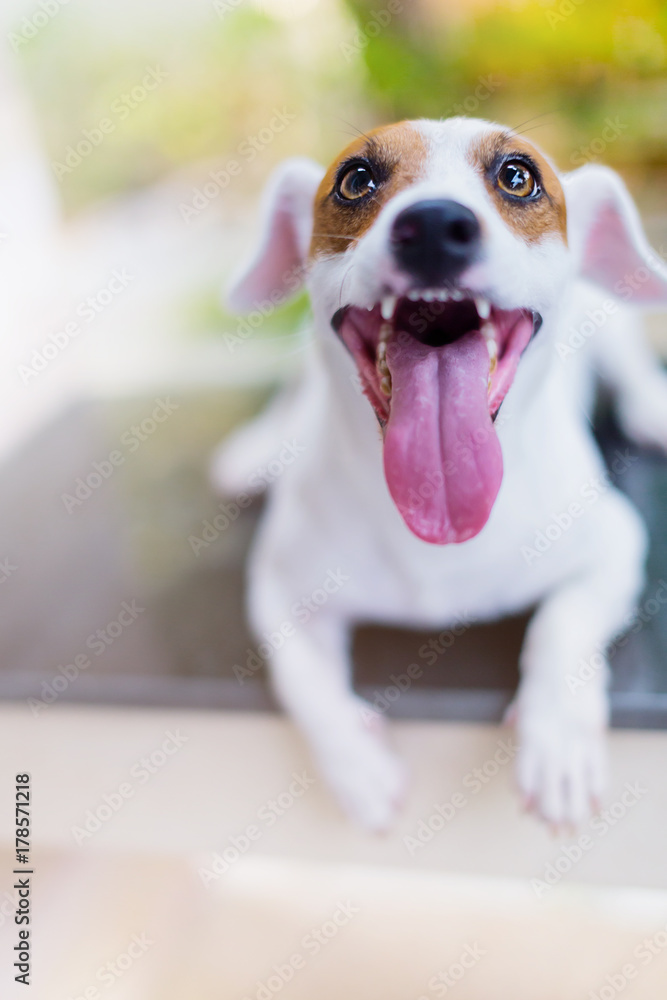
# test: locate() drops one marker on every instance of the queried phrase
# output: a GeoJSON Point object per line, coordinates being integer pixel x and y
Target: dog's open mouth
{"type": "Point", "coordinates": [436, 366]}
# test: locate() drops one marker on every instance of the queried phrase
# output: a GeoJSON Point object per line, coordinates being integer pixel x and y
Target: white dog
{"type": "Point", "coordinates": [452, 271]}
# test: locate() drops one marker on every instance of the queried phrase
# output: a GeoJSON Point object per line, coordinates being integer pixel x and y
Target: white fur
{"type": "Point", "coordinates": [331, 509]}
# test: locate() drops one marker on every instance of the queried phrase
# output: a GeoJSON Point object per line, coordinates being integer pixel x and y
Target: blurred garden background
{"type": "Point", "coordinates": [585, 78]}
{"type": "Point", "coordinates": [337, 65]}
{"type": "Point", "coordinates": [135, 139]}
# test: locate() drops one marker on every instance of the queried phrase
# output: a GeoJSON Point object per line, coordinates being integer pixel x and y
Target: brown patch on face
{"type": "Point", "coordinates": [530, 218]}
{"type": "Point", "coordinates": [397, 155]}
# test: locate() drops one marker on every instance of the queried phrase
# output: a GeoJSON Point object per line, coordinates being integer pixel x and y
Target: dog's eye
{"type": "Point", "coordinates": [356, 182]}
{"type": "Point", "coordinates": [517, 179]}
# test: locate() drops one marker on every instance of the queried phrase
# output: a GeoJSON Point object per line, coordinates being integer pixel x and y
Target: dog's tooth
{"type": "Point", "coordinates": [427, 295]}
{"type": "Point", "coordinates": [414, 295]}
{"type": "Point", "coordinates": [381, 365]}
{"type": "Point", "coordinates": [492, 347]}
{"type": "Point", "coordinates": [457, 295]}
{"type": "Point", "coordinates": [489, 335]}
{"type": "Point", "coordinates": [385, 333]}
{"type": "Point", "coordinates": [388, 306]}
{"type": "Point", "coordinates": [483, 307]}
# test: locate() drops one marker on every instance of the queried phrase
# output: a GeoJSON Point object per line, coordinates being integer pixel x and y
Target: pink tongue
{"type": "Point", "coordinates": [442, 457]}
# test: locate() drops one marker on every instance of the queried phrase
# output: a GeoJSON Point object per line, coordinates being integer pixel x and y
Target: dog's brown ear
{"type": "Point", "coordinates": [277, 270]}
{"type": "Point", "coordinates": [607, 238]}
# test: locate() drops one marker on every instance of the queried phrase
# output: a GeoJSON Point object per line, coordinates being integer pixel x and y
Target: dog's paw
{"type": "Point", "coordinates": [561, 765]}
{"type": "Point", "coordinates": [644, 417]}
{"type": "Point", "coordinates": [368, 780]}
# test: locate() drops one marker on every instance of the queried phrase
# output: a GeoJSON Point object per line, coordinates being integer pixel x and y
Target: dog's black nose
{"type": "Point", "coordinates": [435, 240]}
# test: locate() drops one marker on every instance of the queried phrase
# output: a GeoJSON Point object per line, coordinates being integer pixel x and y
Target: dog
{"type": "Point", "coordinates": [442, 416]}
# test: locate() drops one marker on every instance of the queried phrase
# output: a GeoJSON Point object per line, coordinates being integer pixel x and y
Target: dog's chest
{"type": "Point", "coordinates": [490, 575]}
{"type": "Point", "coordinates": [396, 577]}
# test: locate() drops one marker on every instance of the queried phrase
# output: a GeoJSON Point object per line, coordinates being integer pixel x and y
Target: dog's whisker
{"type": "Point", "coordinates": [334, 236]}
{"type": "Point", "coordinates": [531, 128]}
{"type": "Point", "coordinates": [356, 134]}
{"type": "Point", "coordinates": [515, 128]}
{"type": "Point", "coordinates": [356, 131]}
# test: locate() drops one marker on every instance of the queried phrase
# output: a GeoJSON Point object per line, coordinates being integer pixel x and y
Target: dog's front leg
{"type": "Point", "coordinates": [311, 678]}
{"type": "Point", "coordinates": [561, 708]}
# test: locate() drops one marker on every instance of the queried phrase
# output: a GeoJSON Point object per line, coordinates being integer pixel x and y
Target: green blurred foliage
{"type": "Point", "coordinates": [575, 61]}
{"type": "Point", "coordinates": [225, 76]}
{"type": "Point", "coordinates": [206, 314]}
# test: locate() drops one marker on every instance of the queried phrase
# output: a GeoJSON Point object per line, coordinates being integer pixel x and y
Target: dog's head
{"type": "Point", "coordinates": [436, 251]}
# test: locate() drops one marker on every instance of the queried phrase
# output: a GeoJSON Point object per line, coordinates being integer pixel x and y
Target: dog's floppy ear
{"type": "Point", "coordinates": [276, 270]}
{"type": "Point", "coordinates": [607, 238]}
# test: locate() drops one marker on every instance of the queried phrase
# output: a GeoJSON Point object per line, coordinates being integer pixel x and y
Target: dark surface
{"type": "Point", "coordinates": [129, 541]}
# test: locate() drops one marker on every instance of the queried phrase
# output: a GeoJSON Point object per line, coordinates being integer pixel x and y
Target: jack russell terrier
{"type": "Point", "coordinates": [455, 277]}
